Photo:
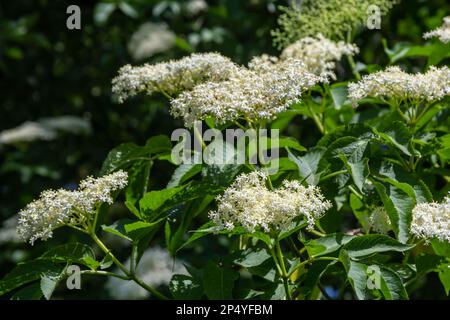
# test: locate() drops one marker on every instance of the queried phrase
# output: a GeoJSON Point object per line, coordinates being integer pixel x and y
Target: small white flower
{"type": "Point", "coordinates": [256, 94]}
{"type": "Point", "coordinates": [432, 220]}
{"type": "Point", "coordinates": [393, 83]}
{"type": "Point", "coordinates": [249, 203]}
{"type": "Point", "coordinates": [319, 54]}
{"type": "Point", "coordinates": [174, 76]}
{"type": "Point", "coordinates": [443, 32]}
{"type": "Point", "coordinates": [55, 209]}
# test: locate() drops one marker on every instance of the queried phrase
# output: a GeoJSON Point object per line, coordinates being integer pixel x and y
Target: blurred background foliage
{"type": "Point", "coordinates": [58, 82]}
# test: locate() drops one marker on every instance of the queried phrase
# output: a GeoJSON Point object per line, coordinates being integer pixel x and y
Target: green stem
{"type": "Point", "coordinates": [317, 233]}
{"type": "Point", "coordinates": [356, 193]}
{"type": "Point", "coordinates": [402, 114]}
{"type": "Point", "coordinates": [316, 119]}
{"type": "Point", "coordinates": [104, 273]}
{"type": "Point", "coordinates": [133, 260]}
{"type": "Point", "coordinates": [331, 175]}
{"type": "Point", "coordinates": [310, 261]}
{"type": "Point", "coordinates": [284, 273]}
{"type": "Point", "coordinates": [199, 137]}
{"type": "Point", "coordinates": [164, 93]}
{"type": "Point", "coordinates": [133, 277]}
{"type": "Point", "coordinates": [350, 59]}
{"type": "Point", "coordinates": [352, 64]}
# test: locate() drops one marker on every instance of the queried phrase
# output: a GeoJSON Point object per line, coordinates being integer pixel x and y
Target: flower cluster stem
{"type": "Point", "coordinates": [124, 269]}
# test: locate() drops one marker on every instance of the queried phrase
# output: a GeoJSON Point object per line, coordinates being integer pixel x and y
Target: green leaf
{"type": "Point", "coordinates": [218, 282]}
{"type": "Point", "coordinates": [357, 276]}
{"type": "Point", "coordinates": [398, 174]}
{"type": "Point", "coordinates": [391, 285]}
{"type": "Point", "coordinates": [266, 270]}
{"type": "Point", "coordinates": [155, 203]}
{"type": "Point", "coordinates": [292, 228]}
{"type": "Point", "coordinates": [444, 275]}
{"type": "Point", "coordinates": [352, 148]}
{"type": "Point", "coordinates": [122, 157]}
{"type": "Point", "coordinates": [184, 287]}
{"type": "Point", "coordinates": [138, 179]}
{"type": "Point", "coordinates": [252, 258]}
{"type": "Point", "coordinates": [31, 292]}
{"type": "Point", "coordinates": [131, 230]}
{"type": "Point", "coordinates": [27, 272]}
{"type": "Point", "coordinates": [313, 276]}
{"type": "Point", "coordinates": [118, 229]}
{"type": "Point", "coordinates": [154, 200]}
{"type": "Point", "coordinates": [199, 233]}
{"type": "Point", "coordinates": [397, 135]}
{"type": "Point", "coordinates": [72, 253]}
{"type": "Point", "coordinates": [183, 173]}
{"type": "Point", "coordinates": [355, 130]}
{"type": "Point", "coordinates": [441, 248]}
{"type": "Point", "coordinates": [426, 263]}
{"type": "Point", "coordinates": [327, 244]}
{"type": "Point", "coordinates": [308, 165]}
{"type": "Point", "coordinates": [398, 52]}
{"type": "Point", "coordinates": [339, 94]}
{"type": "Point", "coordinates": [130, 205]}
{"type": "Point", "coordinates": [106, 262]}
{"type": "Point", "coordinates": [398, 200]}
{"type": "Point", "coordinates": [359, 171]}
{"type": "Point", "coordinates": [360, 211]}
{"type": "Point", "coordinates": [291, 143]}
{"type": "Point", "coordinates": [158, 144]}
{"type": "Point", "coordinates": [367, 245]}
{"type": "Point", "coordinates": [49, 282]}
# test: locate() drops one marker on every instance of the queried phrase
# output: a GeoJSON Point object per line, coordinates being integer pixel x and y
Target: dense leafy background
{"type": "Point", "coordinates": [47, 71]}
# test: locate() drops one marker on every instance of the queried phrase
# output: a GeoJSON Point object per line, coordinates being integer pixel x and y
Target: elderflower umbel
{"type": "Point", "coordinates": [251, 94]}
{"type": "Point", "coordinates": [319, 53]}
{"type": "Point", "coordinates": [250, 204]}
{"type": "Point", "coordinates": [379, 221]}
{"type": "Point", "coordinates": [27, 132]}
{"type": "Point", "coordinates": [443, 32]}
{"type": "Point", "coordinates": [432, 220]}
{"type": "Point", "coordinates": [150, 39]}
{"type": "Point", "coordinates": [55, 209]}
{"type": "Point", "coordinates": [174, 76]}
{"type": "Point", "coordinates": [393, 83]}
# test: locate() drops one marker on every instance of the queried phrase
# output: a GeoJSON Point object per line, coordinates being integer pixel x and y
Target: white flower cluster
{"type": "Point", "coordinates": [174, 76]}
{"type": "Point", "coordinates": [54, 209]}
{"type": "Point", "coordinates": [252, 94]}
{"type": "Point", "coordinates": [45, 129]}
{"type": "Point", "coordinates": [150, 39]}
{"type": "Point", "coordinates": [379, 221]}
{"type": "Point", "coordinates": [432, 220]}
{"type": "Point", "coordinates": [249, 203]}
{"type": "Point", "coordinates": [194, 7]}
{"type": "Point", "coordinates": [393, 83]}
{"type": "Point", "coordinates": [319, 53]}
{"type": "Point", "coordinates": [8, 232]}
{"type": "Point", "coordinates": [27, 132]}
{"type": "Point", "coordinates": [443, 32]}
{"type": "Point", "coordinates": [155, 268]}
